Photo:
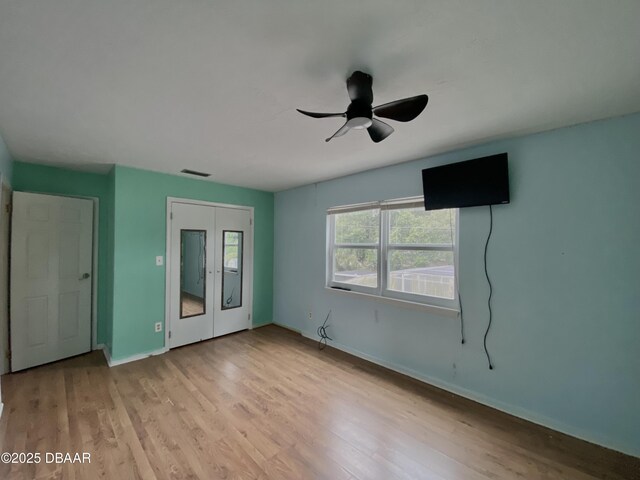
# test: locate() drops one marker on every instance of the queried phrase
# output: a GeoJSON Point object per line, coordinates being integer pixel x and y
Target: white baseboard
{"type": "Point", "coordinates": [483, 399]}
{"type": "Point", "coordinates": [107, 356]}
{"type": "Point", "coordinates": [132, 358]}
{"type": "Point", "coordinates": [287, 327]}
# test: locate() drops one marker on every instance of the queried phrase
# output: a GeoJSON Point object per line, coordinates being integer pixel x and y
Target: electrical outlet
{"type": "Point", "coordinates": [159, 260]}
{"type": "Point", "coordinates": [158, 326]}
{"type": "Point", "coordinates": [310, 316]}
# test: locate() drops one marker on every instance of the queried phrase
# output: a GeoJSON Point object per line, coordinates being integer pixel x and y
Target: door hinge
{"type": "Point", "coordinates": [171, 216]}
{"type": "Point", "coordinates": [169, 333]}
{"type": "Point", "coordinates": [251, 221]}
{"type": "Point", "coordinates": [249, 316]}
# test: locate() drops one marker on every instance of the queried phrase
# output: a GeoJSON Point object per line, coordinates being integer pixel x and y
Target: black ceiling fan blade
{"type": "Point", "coordinates": [320, 115]}
{"type": "Point", "coordinates": [379, 130]}
{"type": "Point", "coordinates": [403, 110]}
{"type": "Point", "coordinates": [341, 131]}
{"type": "Point", "coordinates": [359, 87]}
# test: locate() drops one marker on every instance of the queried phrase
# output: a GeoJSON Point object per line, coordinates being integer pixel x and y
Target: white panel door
{"type": "Point", "coordinates": [191, 273]}
{"type": "Point", "coordinates": [234, 262]}
{"type": "Point", "coordinates": [51, 267]}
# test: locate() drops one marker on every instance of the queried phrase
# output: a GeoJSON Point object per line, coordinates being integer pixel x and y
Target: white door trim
{"type": "Point", "coordinates": [5, 364]}
{"type": "Point", "coordinates": [94, 266]}
{"type": "Point", "coordinates": [167, 259]}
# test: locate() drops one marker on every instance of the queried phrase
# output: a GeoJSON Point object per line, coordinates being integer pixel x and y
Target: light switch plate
{"type": "Point", "coordinates": [159, 260]}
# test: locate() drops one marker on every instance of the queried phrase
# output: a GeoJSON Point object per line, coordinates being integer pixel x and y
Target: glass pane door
{"type": "Point", "coordinates": [232, 250]}
{"type": "Point", "coordinates": [193, 261]}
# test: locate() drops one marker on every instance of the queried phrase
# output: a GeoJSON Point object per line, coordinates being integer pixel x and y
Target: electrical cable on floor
{"type": "Point", "coordinates": [461, 319]}
{"type": "Point", "coordinates": [455, 274]}
{"type": "Point", "coordinates": [322, 333]}
{"type": "Point", "coordinates": [486, 273]}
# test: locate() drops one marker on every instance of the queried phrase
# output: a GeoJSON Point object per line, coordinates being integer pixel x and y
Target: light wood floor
{"type": "Point", "coordinates": [267, 404]}
{"type": "Point", "coordinates": [191, 305]}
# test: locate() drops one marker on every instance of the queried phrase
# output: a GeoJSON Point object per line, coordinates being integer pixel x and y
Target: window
{"type": "Point", "coordinates": [394, 249]}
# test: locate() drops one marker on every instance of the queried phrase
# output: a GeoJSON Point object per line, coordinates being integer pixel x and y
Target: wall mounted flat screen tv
{"type": "Point", "coordinates": [482, 181]}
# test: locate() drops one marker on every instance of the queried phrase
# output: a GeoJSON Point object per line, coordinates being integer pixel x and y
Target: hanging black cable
{"type": "Point", "coordinates": [230, 299]}
{"type": "Point", "coordinates": [461, 319]}
{"type": "Point", "coordinates": [322, 333]}
{"type": "Point", "coordinates": [486, 273]}
{"type": "Point", "coordinates": [455, 275]}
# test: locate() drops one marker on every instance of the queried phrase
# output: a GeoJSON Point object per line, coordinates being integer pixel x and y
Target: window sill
{"type": "Point", "coordinates": [436, 310]}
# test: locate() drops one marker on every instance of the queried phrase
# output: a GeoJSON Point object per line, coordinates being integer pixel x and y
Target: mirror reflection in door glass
{"type": "Point", "coordinates": [232, 271]}
{"type": "Point", "coordinates": [193, 261]}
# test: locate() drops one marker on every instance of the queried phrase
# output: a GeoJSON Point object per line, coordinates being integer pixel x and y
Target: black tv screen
{"type": "Point", "coordinates": [482, 181]}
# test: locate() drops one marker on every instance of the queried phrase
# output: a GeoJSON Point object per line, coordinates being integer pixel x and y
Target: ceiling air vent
{"type": "Point", "coordinates": [193, 172]}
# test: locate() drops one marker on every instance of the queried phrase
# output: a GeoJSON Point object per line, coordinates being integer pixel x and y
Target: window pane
{"type": "Point", "coordinates": [232, 271]}
{"type": "Point", "coordinates": [417, 226]}
{"type": "Point", "coordinates": [422, 273]}
{"type": "Point", "coordinates": [358, 266]}
{"type": "Point", "coordinates": [231, 249]}
{"type": "Point", "coordinates": [358, 227]}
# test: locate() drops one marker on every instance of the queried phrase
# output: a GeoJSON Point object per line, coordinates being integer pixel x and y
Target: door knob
{"type": "Point", "coordinates": [85, 276]}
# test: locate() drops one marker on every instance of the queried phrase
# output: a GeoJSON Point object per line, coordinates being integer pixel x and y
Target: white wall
{"type": "Point", "coordinates": [565, 265]}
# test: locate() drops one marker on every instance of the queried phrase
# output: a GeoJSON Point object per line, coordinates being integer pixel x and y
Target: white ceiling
{"type": "Point", "coordinates": [212, 85]}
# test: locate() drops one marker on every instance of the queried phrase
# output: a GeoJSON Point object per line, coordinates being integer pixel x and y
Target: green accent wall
{"type": "Point", "coordinates": [140, 235]}
{"type": "Point", "coordinates": [29, 177]}
{"type": "Point", "coordinates": [132, 232]}
{"type": "Point", "coordinates": [108, 314]}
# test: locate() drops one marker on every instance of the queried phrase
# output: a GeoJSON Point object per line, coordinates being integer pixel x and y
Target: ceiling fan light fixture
{"type": "Point", "coordinates": [359, 123]}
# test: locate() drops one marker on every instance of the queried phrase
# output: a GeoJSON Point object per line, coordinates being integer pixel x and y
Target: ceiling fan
{"type": "Point", "coordinates": [360, 112]}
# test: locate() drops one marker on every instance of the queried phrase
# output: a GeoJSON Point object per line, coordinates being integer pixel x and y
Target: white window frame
{"type": "Point", "coordinates": [383, 248]}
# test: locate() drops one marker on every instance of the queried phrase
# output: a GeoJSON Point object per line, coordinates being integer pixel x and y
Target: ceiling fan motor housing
{"type": "Point", "coordinates": [359, 115]}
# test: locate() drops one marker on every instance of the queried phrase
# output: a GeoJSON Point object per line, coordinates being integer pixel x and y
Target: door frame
{"type": "Point", "coordinates": [167, 259]}
{"type": "Point", "coordinates": [95, 254]}
{"type": "Point", "coordinates": [5, 363]}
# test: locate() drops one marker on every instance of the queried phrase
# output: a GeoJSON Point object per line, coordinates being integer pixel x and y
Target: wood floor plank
{"type": "Point", "coordinates": [266, 404]}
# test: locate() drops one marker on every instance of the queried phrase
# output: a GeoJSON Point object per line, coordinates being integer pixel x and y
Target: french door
{"type": "Point", "coordinates": [192, 241]}
{"type": "Point", "coordinates": [232, 281]}
{"type": "Point", "coordinates": [209, 272]}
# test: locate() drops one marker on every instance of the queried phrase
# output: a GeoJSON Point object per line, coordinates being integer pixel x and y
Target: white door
{"type": "Point", "coordinates": [51, 260]}
{"type": "Point", "coordinates": [191, 273]}
{"type": "Point", "coordinates": [233, 261]}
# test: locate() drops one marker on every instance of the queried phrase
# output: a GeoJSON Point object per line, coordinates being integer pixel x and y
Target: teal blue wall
{"type": "Point", "coordinates": [110, 200]}
{"type": "Point", "coordinates": [566, 271]}
{"type": "Point", "coordinates": [29, 177]}
{"type": "Point", "coordinates": [140, 234]}
{"type": "Point", "coordinates": [6, 162]}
